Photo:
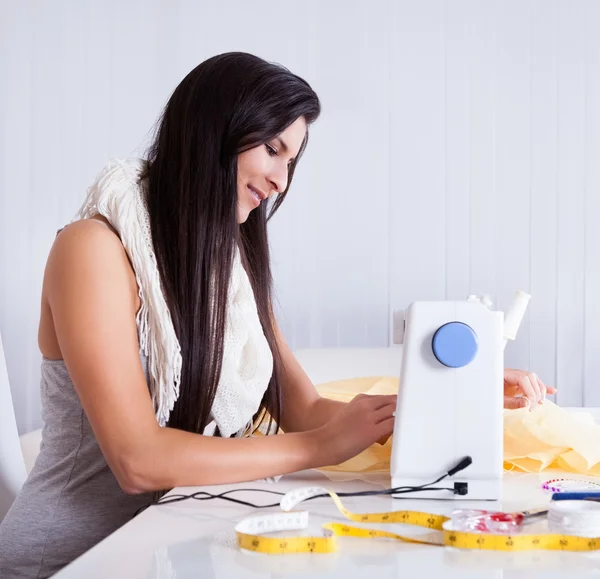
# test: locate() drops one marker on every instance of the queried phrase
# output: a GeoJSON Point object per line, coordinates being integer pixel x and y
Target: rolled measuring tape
{"type": "Point", "coordinates": [251, 531]}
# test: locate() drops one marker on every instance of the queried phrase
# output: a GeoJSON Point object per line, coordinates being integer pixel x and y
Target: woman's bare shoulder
{"type": "Point", "coordinates": [89, 244]}
{"type": "Point", "coordinates": [89, 257]}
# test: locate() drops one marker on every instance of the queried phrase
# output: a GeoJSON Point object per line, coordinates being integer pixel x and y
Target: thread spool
{"type": "Point", "coordinates": [579, 518]}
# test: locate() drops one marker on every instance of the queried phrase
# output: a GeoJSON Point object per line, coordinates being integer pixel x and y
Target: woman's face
{"type": "Point", "coordinates": [263, 170]}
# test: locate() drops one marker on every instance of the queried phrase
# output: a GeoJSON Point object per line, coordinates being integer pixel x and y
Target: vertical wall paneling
{"type": "Point", "coordinates": [417, 147]}
{"type": "Point", "coordinates": [571, 203]}
{"type": "Point", "coordinates": [483, 197]}
{"type": "Point", "coordinates": [17, 179]}
{"type": "Point", "coordinates": [544, 188]}
{"type": "Point", "coordinates": [456, 153]}
{"type": "Point", "coordinates": [591, 309]}
{"type": "Point", "coordinates": [46, 180]}
{"type": "Point", "coordinates": [70, 68]}
{"type": "Point", "coordinates": [512, 161]}
{"type": "Point", "coordinates": [458, 48]}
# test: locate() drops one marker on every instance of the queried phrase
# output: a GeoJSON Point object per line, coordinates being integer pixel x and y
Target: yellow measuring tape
{"type": "Point", "coordinates": [250, 531]}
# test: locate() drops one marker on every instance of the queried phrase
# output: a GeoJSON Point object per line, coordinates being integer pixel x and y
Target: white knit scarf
{"type": "Point", "coordinates": [247, 360]}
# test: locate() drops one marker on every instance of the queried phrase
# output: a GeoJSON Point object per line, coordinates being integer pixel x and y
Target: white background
{"type": "Point", "coordinates": [458, 152]}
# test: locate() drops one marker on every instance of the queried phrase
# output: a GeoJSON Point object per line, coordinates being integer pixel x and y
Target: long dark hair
{"type": "Point", "coordinates": [228, 104]}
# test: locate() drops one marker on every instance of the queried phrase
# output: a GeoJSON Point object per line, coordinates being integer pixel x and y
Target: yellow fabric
{"type": "Point", "coordinates": [548, 437]}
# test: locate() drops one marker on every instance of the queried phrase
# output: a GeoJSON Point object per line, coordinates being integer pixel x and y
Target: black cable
{"type": "Point", "coordinates": [205, 496]}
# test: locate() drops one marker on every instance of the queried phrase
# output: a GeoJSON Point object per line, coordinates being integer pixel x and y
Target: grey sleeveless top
{"type": "Point", "coordinates": [71, 500]}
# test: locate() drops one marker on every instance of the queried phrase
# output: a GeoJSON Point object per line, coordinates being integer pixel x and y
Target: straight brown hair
{"type": "Point", "coordinates": [228, 104]}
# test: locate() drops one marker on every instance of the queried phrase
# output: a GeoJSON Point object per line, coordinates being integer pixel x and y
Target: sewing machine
{"type": "Point", "coordinates": [450, 401]}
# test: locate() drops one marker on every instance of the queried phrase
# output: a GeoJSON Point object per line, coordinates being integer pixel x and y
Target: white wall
{"type": "Point", "coordinates": [457, 153]}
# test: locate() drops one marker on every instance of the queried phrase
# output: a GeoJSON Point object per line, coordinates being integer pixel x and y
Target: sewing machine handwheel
{"type": "Point", "coordinates": [455, 344]}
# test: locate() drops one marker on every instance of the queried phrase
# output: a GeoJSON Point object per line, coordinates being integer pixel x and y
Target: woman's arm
{"type": "Point", "coordinates": [89, 289]}
{"type": "Point", "coordinates": [304, 409]}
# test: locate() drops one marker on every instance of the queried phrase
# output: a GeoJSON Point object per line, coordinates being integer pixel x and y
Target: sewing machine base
{"type": "Point", "coordinates": [478, 490]}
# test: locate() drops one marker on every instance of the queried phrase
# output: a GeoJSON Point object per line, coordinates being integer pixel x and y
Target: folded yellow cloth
{"type": "Point", "coordinates": [548, 437]}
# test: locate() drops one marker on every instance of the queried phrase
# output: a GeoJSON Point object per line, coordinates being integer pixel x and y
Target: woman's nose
{"type": "Point", "coordinates": [278, 179]}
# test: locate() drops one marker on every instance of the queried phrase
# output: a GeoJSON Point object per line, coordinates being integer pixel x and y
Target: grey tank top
{"type": "Point", "coordinates": [71, 500]}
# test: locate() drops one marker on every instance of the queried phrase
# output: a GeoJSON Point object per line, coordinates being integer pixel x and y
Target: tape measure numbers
{"type": "Point", "coordinates": [250, 531]}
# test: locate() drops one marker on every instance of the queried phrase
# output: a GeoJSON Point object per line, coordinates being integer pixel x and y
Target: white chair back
{"type": "Point", "coordinates": [12, 465]}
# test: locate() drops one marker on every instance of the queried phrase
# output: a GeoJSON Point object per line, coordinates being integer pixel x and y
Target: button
{"type": "Point", "coordinates": [455, 344]}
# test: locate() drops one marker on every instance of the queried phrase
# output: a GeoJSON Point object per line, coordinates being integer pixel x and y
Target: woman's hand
{"type": "Point", "coordinates": [363, 421]}
{"type": "Point", "coordinates": [524, 388]}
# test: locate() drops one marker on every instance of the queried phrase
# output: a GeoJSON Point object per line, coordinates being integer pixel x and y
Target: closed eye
{"type": "Point", "coordinates": [274, 152]}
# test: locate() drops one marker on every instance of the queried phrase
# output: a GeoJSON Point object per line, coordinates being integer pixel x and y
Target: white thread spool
{"type": "Point", "coordinates": [579, 518]}
{"type": "Point", "coordinates": [514, 316]}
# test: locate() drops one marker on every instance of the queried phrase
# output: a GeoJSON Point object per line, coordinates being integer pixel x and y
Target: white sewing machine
{"type": "Point", "coordinates": [450, 401]}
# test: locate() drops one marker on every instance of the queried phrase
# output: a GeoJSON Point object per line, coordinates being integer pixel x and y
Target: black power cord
{"type": "Point", "coordinates": [459, 489]}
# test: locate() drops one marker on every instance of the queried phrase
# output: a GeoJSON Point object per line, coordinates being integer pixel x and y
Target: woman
{"type": "Point", "coordinates": [161, 354]}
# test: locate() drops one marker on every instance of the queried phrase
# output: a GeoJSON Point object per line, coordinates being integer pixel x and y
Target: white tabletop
{"type": "Point", "coordinates": [196, 539]}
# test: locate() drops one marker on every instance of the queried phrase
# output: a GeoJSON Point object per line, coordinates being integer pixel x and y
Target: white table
{"type": "Point", "coordinates": [196, 539]}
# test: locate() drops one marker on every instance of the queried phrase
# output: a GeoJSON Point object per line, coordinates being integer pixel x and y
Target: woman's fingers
{"type": "Point", "coordinates": [539, 386]}
{"type": "Point", "coordinates": [526, 384]}
{"type": "Point", "coordinates": [377, 401]}
{"type": "Point", "coordinates": [547, 389]}
{"type": "Point", "coordinates": [512, 402]}
{"type": "Point", "coordinates": [529, 391]}
{"type": "Point", "coordinates": [384, 412]}
{"type": "Point", "coordinates": [386, 427]}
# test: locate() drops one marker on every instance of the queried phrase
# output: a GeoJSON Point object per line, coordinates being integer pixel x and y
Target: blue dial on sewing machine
{"type": "Point", "coordinates": [455, 344]}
